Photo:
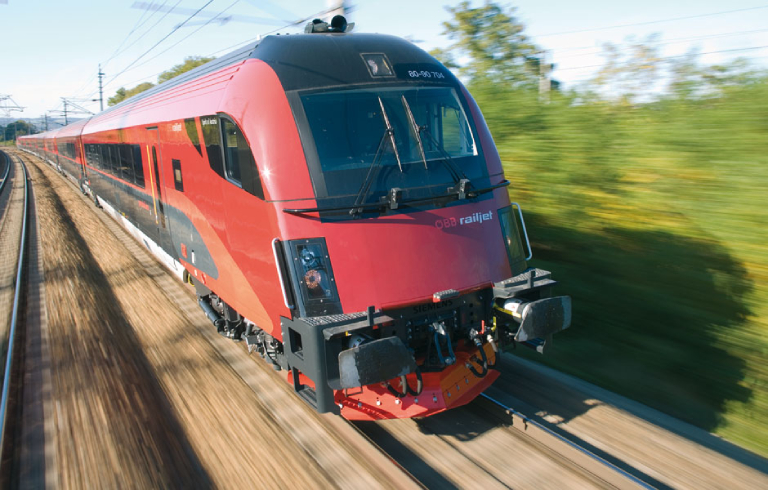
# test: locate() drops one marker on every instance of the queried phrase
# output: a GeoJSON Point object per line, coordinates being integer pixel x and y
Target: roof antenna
{"type": "Point", "coordinates": [316, 25]}
{"type": "Point", "coordinates": [338, 24]}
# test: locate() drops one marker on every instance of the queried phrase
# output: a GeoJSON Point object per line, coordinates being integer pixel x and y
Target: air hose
{"type": "Point", "coordinates": [469, 365]}
{"type": "Point", "coordinates": [406, 388]}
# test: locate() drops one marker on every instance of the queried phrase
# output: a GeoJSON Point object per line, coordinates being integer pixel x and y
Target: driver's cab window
{"type": "Point", "coordinates": [234, 145]}
{"type": "Point", "coordinates": [239, 164]}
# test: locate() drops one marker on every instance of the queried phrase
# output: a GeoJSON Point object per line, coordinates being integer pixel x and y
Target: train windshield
{"type": "Point", "coordinates": [415, 138]}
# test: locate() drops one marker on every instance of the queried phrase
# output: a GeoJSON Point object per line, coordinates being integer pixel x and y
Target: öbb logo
{"type": "Point", "coordinates": [474, 218]}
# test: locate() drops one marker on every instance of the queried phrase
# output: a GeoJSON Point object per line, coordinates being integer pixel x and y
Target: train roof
{"type": "Point", "coordinates": [301, 61]}
{"type": "Point", "coordinates": [44, 135]}
{"type": "Point", "coordinates": [206, 69]}
{"type": "Point", "coordinates": [72, 130]}
{"type": "Point", "coordinates": [308, 61]}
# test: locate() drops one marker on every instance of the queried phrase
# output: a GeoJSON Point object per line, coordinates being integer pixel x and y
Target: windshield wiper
{"type": "Point", "coordinates": [462, 183]}
{"type": "Point", "coordinates": [456, 173]}
{"type": "Point", "coordinates": [389, 133]}
{"type": "Point", "coordinates": [416, 130]}
{"type": "Point", "coordinates": [392, 200]}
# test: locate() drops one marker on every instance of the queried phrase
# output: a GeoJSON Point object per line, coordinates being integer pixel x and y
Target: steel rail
{"type": "Point", "coordinates": [15, 313]}
{"type": "Point", "coordinates": [7, 171]}
{"type": "Point", "coordinates": [573, 445]}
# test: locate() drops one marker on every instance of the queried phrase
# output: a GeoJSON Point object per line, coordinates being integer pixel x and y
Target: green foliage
{"type": "Point", "coordinates": [650, 210]}
{"type": "Point", "coordinates": [190, 63]}
{"type": "Point", "coordinates": [493, 40]}
{"type": "Point", "coordinates": [15, 129]}
{"type": "Point", "coordinates": [630, 72]}
{"type": "Point", "coordinates": [123, 94]}
{"type": "Point", "coordinates": [652, 218]}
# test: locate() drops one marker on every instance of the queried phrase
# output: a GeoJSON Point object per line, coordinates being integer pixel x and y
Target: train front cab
{"type": "Point", "coordinates": [409, 274]}
{"type": "Point", "coordinates": [414, 359]}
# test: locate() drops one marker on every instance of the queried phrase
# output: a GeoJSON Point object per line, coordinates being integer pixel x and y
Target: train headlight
{"type": "Point", "coordinates": [313, 277]}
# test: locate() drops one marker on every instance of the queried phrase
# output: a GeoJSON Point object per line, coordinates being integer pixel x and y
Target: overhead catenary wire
{"type": "Point", "coordinates": [238, 44]}
{"type": "Point", "coordinates": [300, 21]}
{"type": "Point", "coordinates": [752, 48]}
{"type": "Point", "coordinates": [598, 50]}
{"type": "Point", "coordinates": [145, 32]}
{"type": "Point", "coordinates": [158, 42]}
{"type": "Point", "coordinates": [90, 80]}
{"type": "Point", "coordinates": [136, 26]}
{"type": "Point", "coordinates": [187, 36]}
{"type": "Point", "coordinates": [117, 51]}
{"type": "Point", "coordinates": [650, 22]}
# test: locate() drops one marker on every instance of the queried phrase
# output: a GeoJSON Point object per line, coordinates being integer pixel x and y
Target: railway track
{"type": "Point", "coordinates": [453, 460]}
{"type": "Point", "coordinates": [303, 424]}
{"type": "Point", "coordinates": [16, 219]}
{"type": "Point", "coordinates": [486, 443]}
{"type": "Point", "coordinates": [344, 457]}
{"type": "Point", "coordinates": [603, 470]}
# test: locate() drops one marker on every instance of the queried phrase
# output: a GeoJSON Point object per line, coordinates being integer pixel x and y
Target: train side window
{"type": "Point", "coordinates": [231, 150]}
{"type": "Point", "coordinates": [99, 149]}
{"type": "Point", "coordinates": [106, 159]}
{"type": "Point", "coordinates": [114, 160]}
{"type": "Point", "coordinates": [194, 138]}
{"type": "Point", "coordinates": [138, 166]}
{"type": "Point", "coordinates": [157, 171]}
{"type": "Point", "coordinates": [114, 157]}
{"type": "Point", "coordinates": [212, 140]}
{"type": "Point", "coordinates": [157, 185]}
{"type": "Point", "coordinates": [126, 162]}
{"type": "Point", "coordinates": [114, 151]}
{"type": "Point", "coordinates": [239, 164]}
{"type": "Point", "coordinates": [103, 155]}
{"type": "Point", "coordinates": [178, 183]}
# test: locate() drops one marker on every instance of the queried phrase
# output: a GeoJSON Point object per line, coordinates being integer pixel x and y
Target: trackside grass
{"type": "Point", "coordinates": [654, 218]}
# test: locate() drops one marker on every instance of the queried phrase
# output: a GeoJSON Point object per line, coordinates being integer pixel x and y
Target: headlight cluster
{"type": "Point", "coordinates": [313, 277]}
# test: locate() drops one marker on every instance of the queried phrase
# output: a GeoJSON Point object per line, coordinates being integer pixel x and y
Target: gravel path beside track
{"type": "Point", "coordinates": [141, 399]}
{"type": "Point", "coordinates": [630, 434]}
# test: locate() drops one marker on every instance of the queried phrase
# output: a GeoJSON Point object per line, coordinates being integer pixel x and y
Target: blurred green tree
{"type": "Point", "coordinates": [190, 63]}
{"type": "Point", "coordinates": [490, 46]}
{"type": "Point", "coordinates": [631, 73]}
{"type": "Point", "coordinates": [644, 192]}
{"type": "Point", "coordinates": [18, 128]}
{"type": "Point", "coordinates": [123, 94]}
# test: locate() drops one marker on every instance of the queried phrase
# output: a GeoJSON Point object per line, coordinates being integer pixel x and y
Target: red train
{"type": "Point", "coordinates": [337, 202]}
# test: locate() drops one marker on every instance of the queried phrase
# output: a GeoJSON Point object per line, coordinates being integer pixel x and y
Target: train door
{"type": "Point", "coordinates": [80, 159]}
{"type": "Point", "coordinates": [56, 153]}
{"type": "Point", "coordinates": [158, 190]}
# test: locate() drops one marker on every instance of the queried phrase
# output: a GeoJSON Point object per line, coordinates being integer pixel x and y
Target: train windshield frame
{"type": "Point", "coordinates": [347, 132]}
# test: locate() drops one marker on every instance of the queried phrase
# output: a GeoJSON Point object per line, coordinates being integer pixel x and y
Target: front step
{"type": "Point", "coordinates": [308, 395]}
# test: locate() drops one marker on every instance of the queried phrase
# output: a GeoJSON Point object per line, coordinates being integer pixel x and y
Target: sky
{"type": "Point", "coordinates": [52, 48]}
